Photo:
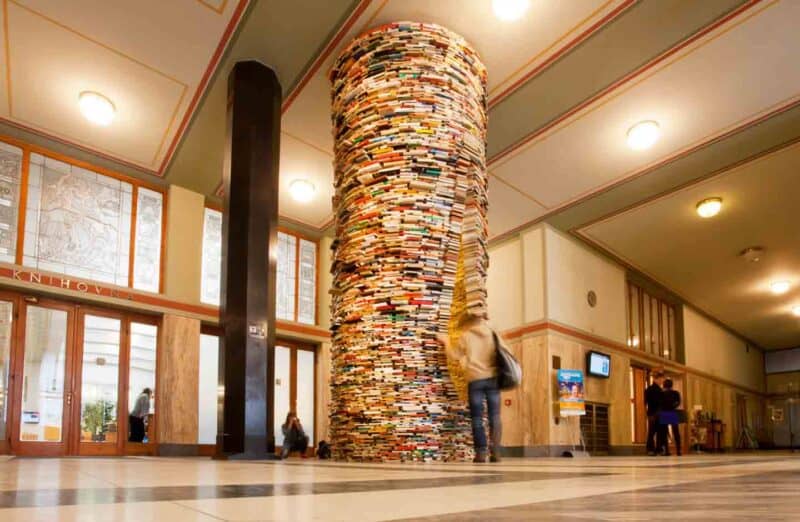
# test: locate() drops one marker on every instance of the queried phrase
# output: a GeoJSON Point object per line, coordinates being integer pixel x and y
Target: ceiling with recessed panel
{"type": "Point", "coordinates": [148, 57]}
{"type": "Point", "coordinates": [567, 80]}
{"type": "Point", "coordinates": [699, 258]}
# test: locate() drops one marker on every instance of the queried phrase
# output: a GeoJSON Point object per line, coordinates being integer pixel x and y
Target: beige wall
{"type": "Point", "coordinates": [503, 285]}
{"type": "Point", "coordinates": [184, 247]}
{"type": "Point", "coordinates": [325, 280]}
{"type": "Point", "coordinates": [572, 271]}
{"type": "Point", "coordinates": [713, 350]}
{"type": "Point", "coordinates": [533, 280]}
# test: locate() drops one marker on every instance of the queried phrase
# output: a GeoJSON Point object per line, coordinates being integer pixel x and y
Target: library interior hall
{"type": "Point", "coordinates": [377, 260]}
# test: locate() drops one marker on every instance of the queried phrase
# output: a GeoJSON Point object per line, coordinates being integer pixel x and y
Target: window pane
{"type": "Point", "coordinates": [43, 375]}
{"type": "Point", "coordinates": [147, 260]}
{"type": "Point", "coordinates": [307, 287]}
{"type": "Point", "coordinates": [636, 335]}
{"type": "Point", "coordinates": [6, 318]}
{"type": "Point", "coordinates": [286, 275]}
{"type": "Point", "coordinates": [144, 339]}
{"type": "Point", "coordinates": [10, 178]}
{"type": "Point", "coordinates": [77, 222]}
{"type": "Point", "coordinates": [305, 392]}
{"type": "Point", "coordinates": [211, 278]}
{"type": "Point", "coordinates": [208, 381]}
{"type": "Point", "coordinates": [100, 379]}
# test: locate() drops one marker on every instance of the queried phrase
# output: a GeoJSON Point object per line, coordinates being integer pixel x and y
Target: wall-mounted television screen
{"type": "Point", "coordinates": [598, 364]}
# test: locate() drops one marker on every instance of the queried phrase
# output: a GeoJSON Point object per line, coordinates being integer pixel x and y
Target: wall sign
{"type": "Point", "coordinates": [570, 393]}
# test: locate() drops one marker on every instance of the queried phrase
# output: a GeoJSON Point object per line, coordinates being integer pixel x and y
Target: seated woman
{"type": "Point", "coordinates": [294, 438]}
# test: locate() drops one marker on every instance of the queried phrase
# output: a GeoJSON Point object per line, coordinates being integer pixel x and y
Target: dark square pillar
{"type": "Point", "coordinates": [249, 243]}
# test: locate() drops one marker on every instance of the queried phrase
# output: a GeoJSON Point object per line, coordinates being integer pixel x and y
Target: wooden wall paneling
{"type": "Point", "coordinates": [178, 366]}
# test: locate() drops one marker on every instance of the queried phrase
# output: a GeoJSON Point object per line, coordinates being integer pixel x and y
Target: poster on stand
{"type": "Point", "coordinates": [570, 393]}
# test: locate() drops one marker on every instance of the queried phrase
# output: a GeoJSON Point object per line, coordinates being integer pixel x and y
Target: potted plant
{"type": "Point", "coordinates": [96, 417]}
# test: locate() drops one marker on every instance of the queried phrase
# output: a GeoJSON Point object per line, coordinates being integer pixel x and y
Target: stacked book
{"type": "Point", "coordinates": [409, 123]}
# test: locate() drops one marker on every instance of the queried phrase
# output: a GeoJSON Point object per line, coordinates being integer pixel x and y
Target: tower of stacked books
{"type": "Point", "coordinates": [409, 123]}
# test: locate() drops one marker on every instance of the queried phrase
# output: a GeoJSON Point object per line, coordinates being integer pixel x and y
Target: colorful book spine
{"type": "Point", "coordinates": [409, 121]}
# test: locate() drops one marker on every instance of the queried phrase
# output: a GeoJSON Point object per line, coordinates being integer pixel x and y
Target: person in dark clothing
{"type": "Point", "coordinates": [294, 438]}
{"type": "Point", "coordinates": [653, 399]}
{"type": "Point", "coordinates": [668, 417]}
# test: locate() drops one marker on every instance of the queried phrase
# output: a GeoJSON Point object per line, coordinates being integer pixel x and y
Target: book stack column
{"type": "Point", "coordinates": [409, 257]}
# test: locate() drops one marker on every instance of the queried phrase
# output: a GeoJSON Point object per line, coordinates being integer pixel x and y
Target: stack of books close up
{"type": "Point", "coordinates": [409, 121]}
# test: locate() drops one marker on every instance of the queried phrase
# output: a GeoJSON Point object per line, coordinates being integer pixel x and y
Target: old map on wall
{"type": "Point", "coordinates": [10, 174]}
{"type": "Point", "coordinates": [78, 222]}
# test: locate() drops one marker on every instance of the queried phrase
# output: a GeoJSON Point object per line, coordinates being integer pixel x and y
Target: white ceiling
{"type": "Point", "coordinates": [720, 82]}
{"type": "Point", "coordinates": [726, 76]}
{"type": "Point", "coordinates": [698, 258]}
{"type": "Point", "coordinates": [147, 56]}
{"type": "Point", "coordinates": [509, 50]}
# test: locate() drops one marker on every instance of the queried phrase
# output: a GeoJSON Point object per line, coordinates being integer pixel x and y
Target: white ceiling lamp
{"type": "Point", "coordinates": [302, 190]}
{"type": "Point", "coordinates": [509, 10]}
{"type": "Point", "coordinates": [796, 310]}
{"type": "Point", "coordinates": [709, 207]}
{"type": "Point", "coordinates": [96, 108]}
{"type": "Point", "coordinates": [643, 135]}
{"type": "Point", "coordinates": [780, 287]}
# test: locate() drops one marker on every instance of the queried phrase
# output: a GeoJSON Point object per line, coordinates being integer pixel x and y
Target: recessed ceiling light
{"type": "Point", "coordinates": [302, 190]}
{"type": "Point", "coordinates": [96, 108]}
{"type": "Point", "coordinates": [643, 135]}
{"type": "Point", "coordinates": [796, 310]}
{"type": "Point", "coordinates": [509, 10]}
{"type": "Point", "coordinates": [709, 207]}
{"type": "Point", "coordinates": [780, 287]}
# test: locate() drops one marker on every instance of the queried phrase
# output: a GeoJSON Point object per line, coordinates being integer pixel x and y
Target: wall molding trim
{"type": "Point", "coordinates": [544, 327]}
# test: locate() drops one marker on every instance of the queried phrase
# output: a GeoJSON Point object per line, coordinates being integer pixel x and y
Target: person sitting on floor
{"type": "Point", "coordinates": [294, 438]}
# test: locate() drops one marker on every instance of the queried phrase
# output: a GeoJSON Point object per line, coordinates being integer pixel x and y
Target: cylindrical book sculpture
{"type": "Point", "coordinates": [409, 122]}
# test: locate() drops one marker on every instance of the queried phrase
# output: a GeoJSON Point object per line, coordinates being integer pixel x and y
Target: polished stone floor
{"type": "Point", "coordinates": [723, 487]}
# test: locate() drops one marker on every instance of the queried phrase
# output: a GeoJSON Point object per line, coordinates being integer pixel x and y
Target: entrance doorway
{"type": "Point", "coordinates": [69, 375]}
{"type": "Point", "coordinates": [295, 387]}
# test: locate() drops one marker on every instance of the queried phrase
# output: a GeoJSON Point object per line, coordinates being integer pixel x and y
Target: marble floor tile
{"type": "Point", "coordinates": [760, 486]}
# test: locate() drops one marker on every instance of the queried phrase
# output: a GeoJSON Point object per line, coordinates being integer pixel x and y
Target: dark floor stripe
{"type": "Point", "coordinates": [70, 497]}
{"type": "Point", "coordinates": [729, 498]}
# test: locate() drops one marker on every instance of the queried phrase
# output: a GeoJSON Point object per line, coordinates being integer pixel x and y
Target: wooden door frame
{"type": "Point", "coordinates": [13, 298]}
{"type": "Point", "coordinates": [636, 407]}
{"type": "Point", "coordinates": [138, 448]}
{"type": "Point", "coordinates": [98, 448]}
{"type": "Point", "coordinates": [44, 449]}
{"type": "Point", "coordinates": [294, 346]}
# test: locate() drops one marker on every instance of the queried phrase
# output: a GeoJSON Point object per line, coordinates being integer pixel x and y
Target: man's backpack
{"type": "Point", "coordinates": [323, 450]}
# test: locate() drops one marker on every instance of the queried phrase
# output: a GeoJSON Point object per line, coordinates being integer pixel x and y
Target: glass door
{"type": "Point", "coordinates": [98, 391]}
{"type": "Point", "coordinates": [295, 388]}
{"type": "Point", "coordinates": [44, 387]}
{"type": "Point", "coordinates": [7, 305]}
{"type": "Point", "coordinates": [142, 424]}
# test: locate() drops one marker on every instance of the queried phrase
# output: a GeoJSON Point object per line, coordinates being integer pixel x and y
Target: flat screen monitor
{"type": "Point", "coordinates": [598, 364]}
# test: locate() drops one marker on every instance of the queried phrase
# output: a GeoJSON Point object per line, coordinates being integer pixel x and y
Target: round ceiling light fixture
{"type": "Point", "coordinates": [96, 108]}
{"type": "Point", "coordinates": [709, 207]}
{"type": "Point", "coordinates": [302, 190]}
{"type": "Point", "coordinates": [509, 10]}
{"type": "Point", "coordinates": [643, 135]}
{"type": "Point", "coordinates": [796, 310]}
{"type": "Point", "coordinates": [780, 287]}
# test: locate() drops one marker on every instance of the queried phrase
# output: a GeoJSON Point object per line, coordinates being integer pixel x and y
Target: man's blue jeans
{"type": "Point", "coordinates": [480, 391]}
